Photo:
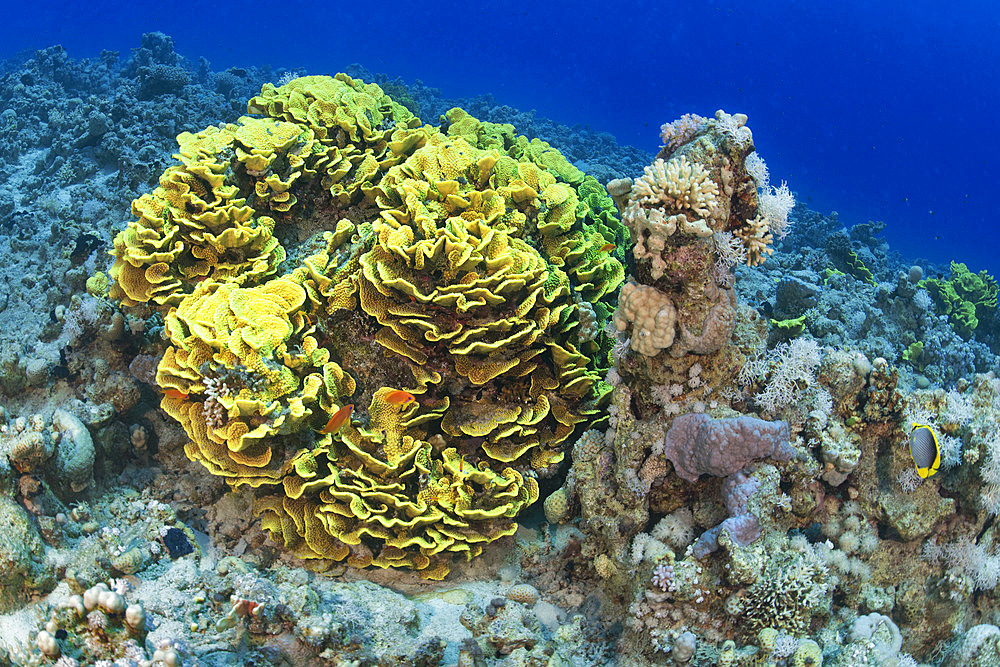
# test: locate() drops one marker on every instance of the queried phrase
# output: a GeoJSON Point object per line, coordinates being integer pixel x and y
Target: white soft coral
{"type": "Point", "coordinates": [792, 370]}
{"type": "Point", "coordinates": [775, 204]}
{"type": "Point", "coordinates": [990, 472]}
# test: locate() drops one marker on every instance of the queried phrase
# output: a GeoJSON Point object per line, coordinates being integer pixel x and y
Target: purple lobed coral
{"type": "Point", "coordinates": [742, 526]}
{"type": "Point", "coordinates": [698, 444]}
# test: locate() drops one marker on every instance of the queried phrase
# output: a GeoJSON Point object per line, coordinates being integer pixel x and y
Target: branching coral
{"type": "Point", "coordinates": [756, 237]}
{"type": "Point", "coordinates": [791, 591]}
{"type": "Point", "coordinates": [678, 184]}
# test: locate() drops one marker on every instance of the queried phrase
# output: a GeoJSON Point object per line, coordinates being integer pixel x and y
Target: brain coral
{"type": "Point", "coordinates": [335, 251]}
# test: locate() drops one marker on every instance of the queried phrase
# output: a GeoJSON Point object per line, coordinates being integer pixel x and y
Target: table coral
{"type": "Point", "coordinates": [464, 265]}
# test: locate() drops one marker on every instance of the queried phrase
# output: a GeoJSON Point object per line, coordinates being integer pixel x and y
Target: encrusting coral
{"type": "Point", "coordinates": [697, 444]}
{"type": "Point", "coordinates": [464, 265]}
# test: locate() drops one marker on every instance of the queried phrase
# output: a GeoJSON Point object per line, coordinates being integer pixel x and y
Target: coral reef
{"type": "Point", "coordinates": [408, 355]}
{"type": "Point", "coordinates": [800, 534]}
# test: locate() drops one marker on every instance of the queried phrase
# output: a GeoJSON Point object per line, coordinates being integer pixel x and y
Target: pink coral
{"type": "Point", "coordinates": [742, 526]}
{"type": "Point", "coordinates": [680, 131]}
{"type": "Point", "coordinates": [697, 444]}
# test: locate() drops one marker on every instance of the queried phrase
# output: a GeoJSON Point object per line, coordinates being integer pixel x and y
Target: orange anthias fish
{"type": "Point", "coordinates": [400, 397]}
{"type": "Point", "coordinates": [608, 247]}
{"type": "Point", "coordinates": [339, 418]}
{"type": "Point", "coordinates": [175, 393]}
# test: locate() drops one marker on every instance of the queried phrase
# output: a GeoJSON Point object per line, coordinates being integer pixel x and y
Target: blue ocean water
{"type": "Point", "coordinates": [878, 110]}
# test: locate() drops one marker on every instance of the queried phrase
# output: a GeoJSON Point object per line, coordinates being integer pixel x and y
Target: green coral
{"type": "Point", "coordinates": [913, 354]}
{"type": "Point", "coordinates": [858, 269]}
{"type": "Point", "coordinates": [831, 272]}
{"type": "Point", "coordinates": [575, 222]}
{"type": "Point", "coordinates": [965, 298]}
{"type": "Point", "coordinates": [97, 284]}
{"type": "Point", "coordinates": [808, 654]}
{"type": "Point", "coordinates": [465, 267]}
{"type": "Point", "coordinates": [789, 328]}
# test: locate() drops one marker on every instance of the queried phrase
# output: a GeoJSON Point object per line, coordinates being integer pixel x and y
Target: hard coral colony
{"type": "Point", "coordinates": [453, 263]}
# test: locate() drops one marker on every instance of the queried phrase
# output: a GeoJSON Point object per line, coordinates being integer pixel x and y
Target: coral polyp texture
{"type": "Point", "coordinates": [334, 251]}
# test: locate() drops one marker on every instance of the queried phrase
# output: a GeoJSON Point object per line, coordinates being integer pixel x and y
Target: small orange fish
{"type": "Point", "coordinates": [608, 247]}
{"type": "Point", "coordinates": [400, 397]}
{"type": "Point", "coordinates": [339, 418]}
{"type": "Point", "coordinates": [175, 393]}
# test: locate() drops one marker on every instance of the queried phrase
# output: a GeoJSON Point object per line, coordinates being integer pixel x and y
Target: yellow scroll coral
{"type": "Point", "coordinates": [573, 212]}
{"type": "Point", "coordinates": [196, 225]}
{"type": "Point", "coordinates": [421, 508]}
{"type": "Point", "coordinates": [245, 368]}
{"type": "Point", "coordinates": [465, 269]}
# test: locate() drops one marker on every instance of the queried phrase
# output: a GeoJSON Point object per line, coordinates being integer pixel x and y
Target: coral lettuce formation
{"type": "Point", "coordinates": [965, 298]}
{"type": "Point", "coordinates": [334, 250]}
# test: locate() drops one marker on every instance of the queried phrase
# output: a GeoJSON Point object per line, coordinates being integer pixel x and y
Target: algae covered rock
{"type": "Point", "coordinates": [75, 454]}
{"type": "Point", "coordinates": [915, 517]}
{"type": "Point", "coordinates": [979, 647]}
{"type": "Point", "coordinates": [21, 554]}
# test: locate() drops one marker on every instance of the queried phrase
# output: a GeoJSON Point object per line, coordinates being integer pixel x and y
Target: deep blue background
{"type": "Point", "coordinates": [878, 110]}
